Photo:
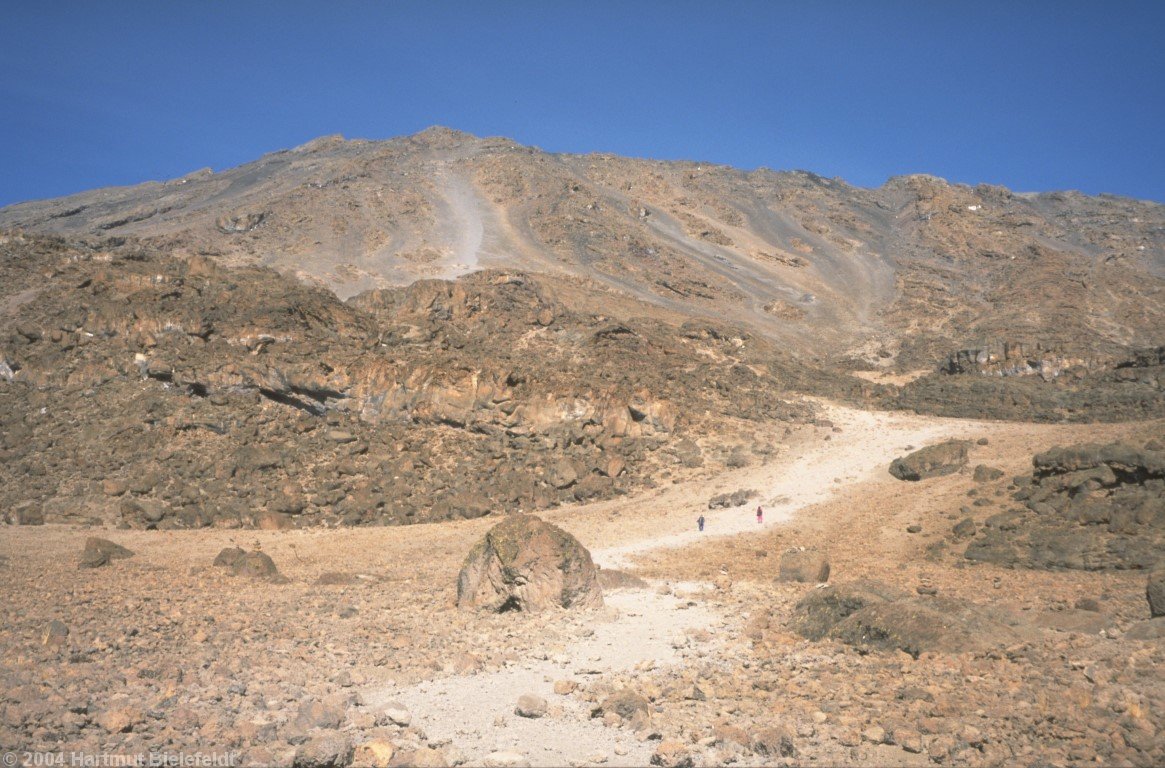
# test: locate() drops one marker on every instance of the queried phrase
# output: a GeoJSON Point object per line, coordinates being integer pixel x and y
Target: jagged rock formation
{"type": "Point", "coordinates": [1089, 507]}
{"type": "Point", "coordinates": [526, 564]}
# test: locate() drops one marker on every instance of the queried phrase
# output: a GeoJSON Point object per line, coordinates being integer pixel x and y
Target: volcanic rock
{"type": "Point", "coordinates": [526, 564]}
{"type": "Point", "coordinates": [931, 461]}
{"type": "Point", "coordinates": [99, 552]}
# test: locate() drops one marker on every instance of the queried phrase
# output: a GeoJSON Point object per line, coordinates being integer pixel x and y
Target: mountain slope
{"type": "Point", "coordinates": [898, 275]}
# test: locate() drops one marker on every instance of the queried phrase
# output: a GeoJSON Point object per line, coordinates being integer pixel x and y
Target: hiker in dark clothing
{"type": "Point", "coordinates": [760, 515]}
{"type": "Point", "coordinates": [700, 522]}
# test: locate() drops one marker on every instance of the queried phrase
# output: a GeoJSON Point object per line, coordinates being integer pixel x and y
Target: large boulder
{"type": "Point", "coordinates": [931, 461]}
{"type": "Point", "coordinates": [99, 552]}
{"type": "Point", "coordinates": [526, 564]}
{"type": "Point", "coordinates": [255, 565]}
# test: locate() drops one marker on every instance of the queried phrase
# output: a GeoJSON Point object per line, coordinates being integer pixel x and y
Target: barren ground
{"type": "Point", "coordinates": [197, 659]}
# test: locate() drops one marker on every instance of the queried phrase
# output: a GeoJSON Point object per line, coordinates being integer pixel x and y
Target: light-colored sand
{"type": "Point", "coordinates": [866, 444]}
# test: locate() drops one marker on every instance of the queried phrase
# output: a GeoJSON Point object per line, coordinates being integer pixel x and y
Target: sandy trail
{"type": "Point", "coordinates": [475, 712]}
{"type": "Point", "coordinates": [866, 444]}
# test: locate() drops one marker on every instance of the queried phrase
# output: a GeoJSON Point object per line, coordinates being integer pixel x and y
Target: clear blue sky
{"type": "Point", "coordinates": [1032, 95]}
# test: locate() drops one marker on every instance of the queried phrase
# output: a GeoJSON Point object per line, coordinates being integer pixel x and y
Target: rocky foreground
{"type": "Point", "coordinates": [319, 647]}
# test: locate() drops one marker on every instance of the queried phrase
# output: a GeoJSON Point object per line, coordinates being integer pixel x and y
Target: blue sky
{"type": "Point", "coordinates": [1031, 95]}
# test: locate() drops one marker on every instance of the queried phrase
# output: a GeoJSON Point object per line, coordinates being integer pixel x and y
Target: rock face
{"type": "Point", "coordinates": [804, 565]}
{"type": "Point", "coordinates": [931, 461]}
{"type": "Point", "coordinates": [526, 564]}
{"type": "Point", "coordinates": [1087, 507]}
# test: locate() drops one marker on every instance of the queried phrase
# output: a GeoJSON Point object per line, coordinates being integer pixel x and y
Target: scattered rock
{"type": "Point", "coordinates": [822, 609]}
{"type": "Point", "coordinates": [120, 720]}
{"type": "Point", "coordinates": [506, 759]}
{"type": "Point", "coordinates": [526, 564]}
{"type": "Point", "coordinates": [737, 498]}
{"type": "Point", "coordinates": [255, 564]}
{"type": "Point", "coordinates": [914, 528]}
{"type": "Point", "coordinates": [56, 633]}
{"type": "Point", "coordinates": [624, 703]}
{"type": "Point", "coordinates": [320, 714]}
{"type": "Point", "coordinates": [985, 474]}
{"type": "Point", "coordinates": [775, 741]}
{"type": "Point", "coordinates": [375, 753]}
{"type": "Point", "coordinates": [1153, 629]}
{"type": "Point", "coordinates": [397, 714]}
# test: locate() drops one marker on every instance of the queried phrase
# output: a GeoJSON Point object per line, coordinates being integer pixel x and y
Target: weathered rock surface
{"type": "Point", "coordinates": [526, 564]}
{"type": "Point", "coordinates": [821, 610]}
{"type": "Point", "coordinates": [254, 564]}
{"type": "Point", "coordinates": [1155, 592]}
{"type": "Point", "coordinates": [1087, 507]}
{"type": "Point", "coordinates": [931, 461]}
{"type": "Point", "coordinates": [99, 552]}
{"type": "Point", "coordinates": [149, 392]}
{"type": "Point", "coordinates": [804, 565]}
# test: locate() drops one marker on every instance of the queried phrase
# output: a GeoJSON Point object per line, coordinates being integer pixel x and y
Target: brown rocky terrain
{"type": "Point", "coordinates": [152, 392]}
{"type": "Point", "coordinates": [223, 397]}
{"type": "Point", "coordinates": [162, 651]}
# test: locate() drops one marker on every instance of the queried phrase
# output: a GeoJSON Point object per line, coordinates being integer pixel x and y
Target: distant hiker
{"type": "Point", "coordinates": [700, 522]}
{"type": "Point", "coordinates": [760, 515]}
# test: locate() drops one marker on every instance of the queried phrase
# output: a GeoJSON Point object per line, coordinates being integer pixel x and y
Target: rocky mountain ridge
{"type": "Point", "coordinates": [899, 276]}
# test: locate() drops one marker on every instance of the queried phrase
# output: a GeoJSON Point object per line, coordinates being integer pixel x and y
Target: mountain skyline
{"type": "Point", "coordinates": [1037, 98]}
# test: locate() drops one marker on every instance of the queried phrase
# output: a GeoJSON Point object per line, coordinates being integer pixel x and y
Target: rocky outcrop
{"type": "Point", "coordinates": [526, 564]}
{"type": "Point", "coordinates": [1088, 507]}
{"type": "Point", "coordinates": [157, 392]}
{"type": "Point", "coordinates": [931, 461]}
{"type": "Point", "coordinates": [822, 609]}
